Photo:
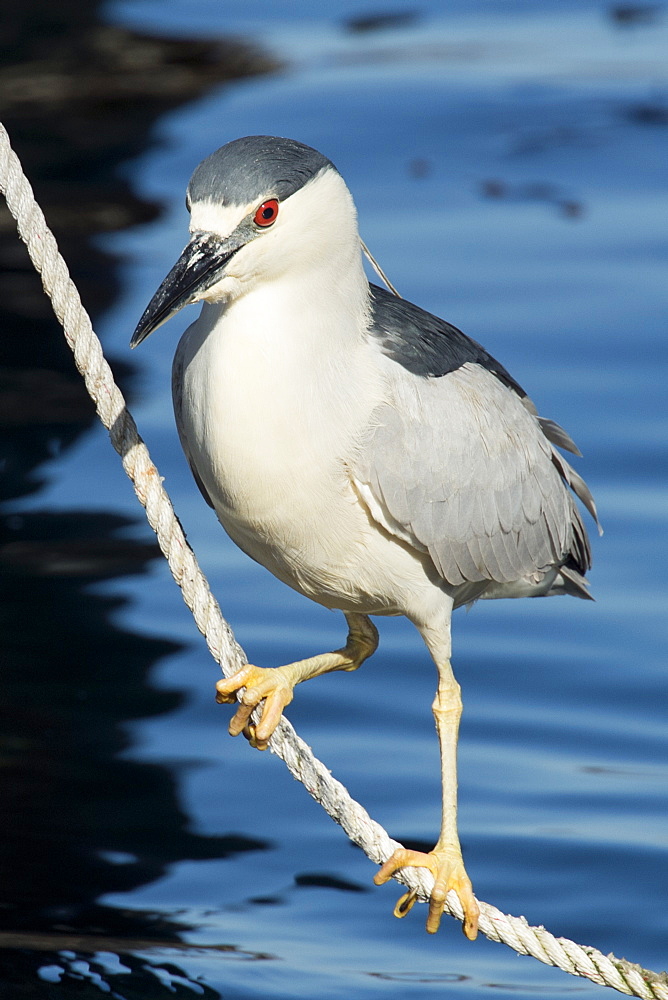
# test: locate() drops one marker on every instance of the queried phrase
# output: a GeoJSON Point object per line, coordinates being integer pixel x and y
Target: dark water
{"type": "Point", "coordinates": [509, 163]}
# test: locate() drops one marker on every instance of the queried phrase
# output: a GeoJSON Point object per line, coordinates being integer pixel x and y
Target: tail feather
{"type": "Point", "coordinates": [557, 435]}
{"type": "Point", "coordinates": [578, 485]}
{"type": "Point", "coordinates": [574, 583]}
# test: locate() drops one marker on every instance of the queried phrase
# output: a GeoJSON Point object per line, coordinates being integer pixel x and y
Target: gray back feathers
{"type": "Point", "coordinates": [425, 344]}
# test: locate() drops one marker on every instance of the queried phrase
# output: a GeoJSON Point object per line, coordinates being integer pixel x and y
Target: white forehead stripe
{"type": "Point", "coordinates": [210, 217]}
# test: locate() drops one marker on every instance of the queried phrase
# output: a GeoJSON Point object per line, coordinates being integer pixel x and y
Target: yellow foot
{"type": "Point", "coordinates": [447, 867]}
{"type": "Point", "coordinates": [262, 684]}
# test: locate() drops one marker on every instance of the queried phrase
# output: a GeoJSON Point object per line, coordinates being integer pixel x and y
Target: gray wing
{"type": "Point", "coordinates": [460, 467]}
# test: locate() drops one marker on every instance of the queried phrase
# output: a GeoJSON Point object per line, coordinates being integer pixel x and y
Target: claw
{"type": "Point", "coordinates": [268, 685]}
{"type": "Point", "coordinates": [406, 903]}
{"type": "Point", "coordinates": [250, 732]}
{"type": "Point", "coordinates": [448, 870]}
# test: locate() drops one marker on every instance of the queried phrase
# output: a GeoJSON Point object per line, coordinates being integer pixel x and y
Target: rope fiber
{"type": "Point", "coordinates": [578, 960]}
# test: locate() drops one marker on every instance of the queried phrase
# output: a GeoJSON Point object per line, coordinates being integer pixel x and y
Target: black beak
{"type": "Point", "coordinates": [198, 268]}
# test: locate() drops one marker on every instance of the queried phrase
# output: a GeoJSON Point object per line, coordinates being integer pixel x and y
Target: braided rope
{"type": "Point", "coordinates": [578, 960]}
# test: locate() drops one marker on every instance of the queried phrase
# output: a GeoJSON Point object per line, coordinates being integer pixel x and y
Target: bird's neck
{"type": "Point", "coordinates": [272, 389]}
{"type": "Point", "coordinates": [315, 316]}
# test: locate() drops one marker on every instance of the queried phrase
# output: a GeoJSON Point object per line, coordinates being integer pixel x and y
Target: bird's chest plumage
{"type": "Point", "coordinates": [268, 417]}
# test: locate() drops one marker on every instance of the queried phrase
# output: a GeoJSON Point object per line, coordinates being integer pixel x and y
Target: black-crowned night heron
{"type": "Point", "coordinates": [370, 455]}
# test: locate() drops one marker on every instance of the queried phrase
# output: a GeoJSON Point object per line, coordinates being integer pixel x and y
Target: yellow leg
{"type": "Point", "coordinates": [274, 685]}
{"type": "Point", "coordinates": [445, 861]}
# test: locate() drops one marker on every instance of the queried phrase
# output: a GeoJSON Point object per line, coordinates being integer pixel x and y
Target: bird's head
{"type": "Point", "coordinates": [262, 209]}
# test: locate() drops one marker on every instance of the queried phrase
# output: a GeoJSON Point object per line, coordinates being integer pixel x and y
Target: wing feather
{"type": "Point", "coordinates": [466, 471]}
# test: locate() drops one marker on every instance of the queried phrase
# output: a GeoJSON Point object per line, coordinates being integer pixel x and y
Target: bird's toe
{"type": "Point", "coordinates": [250, 686]}
{"type": "Point", "coordinates": [447, 867]}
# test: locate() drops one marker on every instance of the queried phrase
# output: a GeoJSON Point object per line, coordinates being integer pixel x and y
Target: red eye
{"type": "Point", "coordinates": [267, 213]}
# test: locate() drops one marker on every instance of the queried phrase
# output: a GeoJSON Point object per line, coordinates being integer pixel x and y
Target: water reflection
{"type": "Point", "coordinates": [79, 821]}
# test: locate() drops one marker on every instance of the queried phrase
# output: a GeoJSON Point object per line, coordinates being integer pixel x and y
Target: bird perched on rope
{"type": "Point", "coordinates": [369, 454]}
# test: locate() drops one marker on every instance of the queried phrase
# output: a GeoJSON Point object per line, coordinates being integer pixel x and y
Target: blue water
{"type": "Point", "coordinates": [510, 165]}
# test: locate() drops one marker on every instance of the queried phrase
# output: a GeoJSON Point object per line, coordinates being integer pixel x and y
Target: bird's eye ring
{"type": "Point", "coordinates": [267, 213]}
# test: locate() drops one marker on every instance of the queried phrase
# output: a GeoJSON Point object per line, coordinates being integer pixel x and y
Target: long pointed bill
{"type": "Point", "coordinates": [199, 267]}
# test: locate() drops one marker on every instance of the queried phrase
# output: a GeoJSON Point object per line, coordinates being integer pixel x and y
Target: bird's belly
{"type": "Point", "coordinates": [325, 548]}
{"type": "Point", "coordinates": [271, 457]}
{"type": "Point", "coordinates": [341, 561]}
{"type": "Point", "coordinates": [312, 534]}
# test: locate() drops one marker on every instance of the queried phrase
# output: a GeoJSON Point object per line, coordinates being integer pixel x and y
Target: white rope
{"type": "Point", "coordinates": [330, 793]}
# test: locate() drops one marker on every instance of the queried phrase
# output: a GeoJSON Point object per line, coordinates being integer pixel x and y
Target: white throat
{"type": "Point", "coordinates": [270, 388]}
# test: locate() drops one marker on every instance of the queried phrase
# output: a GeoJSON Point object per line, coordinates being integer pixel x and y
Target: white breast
{"type": "Point", "coordinates": [270, 399]}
